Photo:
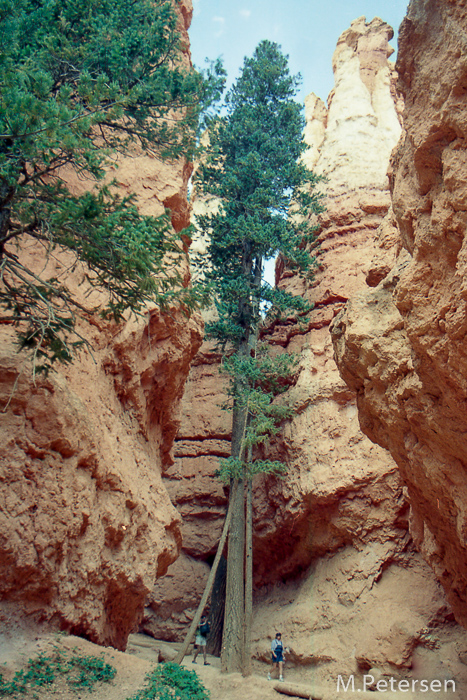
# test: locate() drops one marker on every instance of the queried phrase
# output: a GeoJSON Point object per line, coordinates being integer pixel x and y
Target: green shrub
{"type": "Point", "coordinates": [90, 670]}
{"type": "Point", "coordinates": [81, 671]}
{"type": "Point", "coordinates": [172, 682]}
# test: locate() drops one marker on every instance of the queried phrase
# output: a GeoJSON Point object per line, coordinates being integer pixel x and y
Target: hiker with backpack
{"type": "Point", "coordinates": [201, 639]}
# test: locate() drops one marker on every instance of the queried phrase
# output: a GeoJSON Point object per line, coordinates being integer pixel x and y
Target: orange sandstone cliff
{"type": "Point", "coordinates": [335, 564]}
{"type": "Point", "coordinates": [86, 523]}
{"type": "Point", "coordinates": [401, 346]}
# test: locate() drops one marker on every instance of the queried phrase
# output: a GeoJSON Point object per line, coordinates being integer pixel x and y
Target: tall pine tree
{"type": "Point", "coordinates": [266, 196]}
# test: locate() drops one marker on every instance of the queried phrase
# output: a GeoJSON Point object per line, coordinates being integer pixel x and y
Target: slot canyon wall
{"type": "Point", "coordinates": [401, 346]}
{"type": "Point", "coordinates": [86, 524]}
{"type": "Point", "coordinates": [103, 523]}
{"type": "Point", "coordinates": [335, 565]}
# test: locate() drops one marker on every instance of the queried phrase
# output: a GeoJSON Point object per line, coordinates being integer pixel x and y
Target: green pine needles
{"type": "Point", "coordinates": [256, 383]}
{"type": "Point", "coordinates": [266, 197]}
{"type": "Point", "coordinates": [266, 200]}
{"type": "Point", "coordinates": [82, 81]}
{"type": "Point", "coordinates": [254, 170]}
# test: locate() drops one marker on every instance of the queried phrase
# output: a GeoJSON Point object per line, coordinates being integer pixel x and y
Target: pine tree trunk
{"type": "Point", "coordinates": [216, 610]}
{"type": "Point", "coordinates": [208, 588]}
{"type": "Point", "coordinates": [233, 637]}
{"type": "Point", "coordinates": [248, 577]}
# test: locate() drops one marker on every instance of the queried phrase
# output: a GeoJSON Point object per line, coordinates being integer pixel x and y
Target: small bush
{"type": "Point", "coordinates": [172, 682]}
{"type": "Point", "coordinates": [82, 671]}
{"type": "Point", "coordinates": [39, 672]}
{"type": "Point", "coordinates": [90, 670]}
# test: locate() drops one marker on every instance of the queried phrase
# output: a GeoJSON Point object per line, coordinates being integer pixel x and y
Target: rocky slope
{"type": "Point", "coordinates": [402, 346]}
{"type": "Point", "coordinates": [335, 565]}
{"type": "Point", "coordinates": [86, 524]}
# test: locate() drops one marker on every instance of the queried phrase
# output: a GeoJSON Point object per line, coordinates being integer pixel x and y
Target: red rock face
{"type": "Point", "coordinates": [200, 498]}
{"type": "Point", "coordinates": [86, 524]}
{"type": "Point", "coordinates": [402, 346]}
{"type": "Point", "coordinates": [335, 565]}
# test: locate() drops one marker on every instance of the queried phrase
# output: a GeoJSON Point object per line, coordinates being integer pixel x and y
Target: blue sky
{"type": "Point", "coordinates": [307, 30]}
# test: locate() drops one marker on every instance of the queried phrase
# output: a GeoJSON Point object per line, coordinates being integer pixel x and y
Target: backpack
{"type": "Point", "coordinates": [204, 629]}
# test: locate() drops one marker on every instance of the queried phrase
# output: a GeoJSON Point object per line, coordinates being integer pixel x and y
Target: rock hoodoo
{"type": "Point", "coordinates": [402, 345]}
{"type": "Point", "coordinates": [334, 560]}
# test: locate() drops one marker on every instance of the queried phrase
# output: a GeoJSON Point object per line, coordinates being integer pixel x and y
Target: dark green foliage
{"type": "Point", "coordinates": [263, 371]}
{"type": "Point", "coordinates": [267, 196]}
{"type": "Point", "coordinates": [235, 468]}
{"type": "Point", "coordinates": [80, 81]}
{"type": "Point", "coordinates": [39, 672]}
{"type": "Point", "coordinates": [255, 170]}
{"type": "Point", "coordinates": [255, 385]}
{"type": "Point", "coordinates": [82, 672]}
{"type": "Point", "coordinates": [89, 670]}
{"type": "Point", "coordinates": [172, 682]}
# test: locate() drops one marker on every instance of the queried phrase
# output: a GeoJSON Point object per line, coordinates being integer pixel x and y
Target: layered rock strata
{"type": "Point", "coordinates": [86, 523]}
{"type": "Point", "coordinates": [200, 498]}
{"type": "Point", "coordinates": [355, 563]}
{"type": "Point", "coordinates": [335, 566]}
{"type": "Point", "coordinates": [402, 345]}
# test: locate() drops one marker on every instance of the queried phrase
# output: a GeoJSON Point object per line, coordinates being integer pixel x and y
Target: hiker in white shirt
{"type": "Point", "coordinates": [277, 657]}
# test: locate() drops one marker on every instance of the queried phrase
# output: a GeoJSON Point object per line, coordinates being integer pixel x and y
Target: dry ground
{"type": "Point", "coordinates": [132, 666]}
{"type": "Point", "coordinates": [142, 654]}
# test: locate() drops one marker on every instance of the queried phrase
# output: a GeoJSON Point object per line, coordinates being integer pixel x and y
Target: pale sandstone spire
{"type": "Point", "coordinates": [352, 140]}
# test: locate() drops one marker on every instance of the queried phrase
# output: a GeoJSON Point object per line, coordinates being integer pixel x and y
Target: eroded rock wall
{"type": "Point", "coordinates": [200, 498]}
{"type": "Point", "coordinates": [343, 561]}
{"type": "Point", "coordinates": [349, 143]}
{"type": "Point", "coordinates": [335, 565]}
{"type": "Point", "coordinates": [86, 523]}
{"type": "Point", "coordinates": [402, 346]}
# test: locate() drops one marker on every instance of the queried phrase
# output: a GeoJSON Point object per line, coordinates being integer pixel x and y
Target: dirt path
{"type": "Point", "coordinates": [132, 666]}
